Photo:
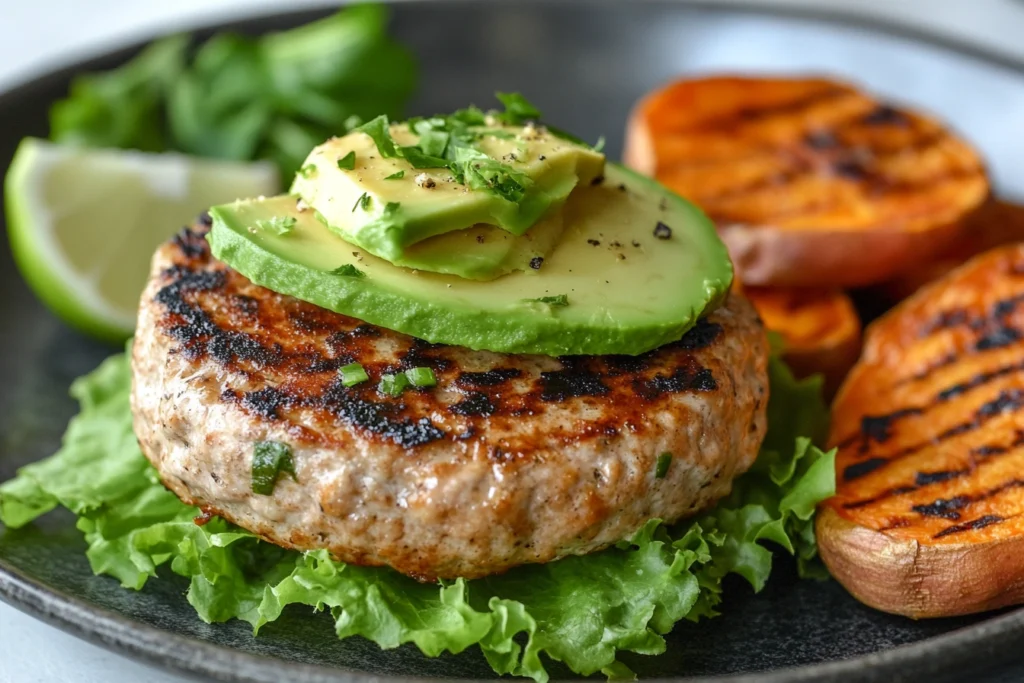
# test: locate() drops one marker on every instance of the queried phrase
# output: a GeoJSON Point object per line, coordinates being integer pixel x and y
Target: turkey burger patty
{"type": "Point", "coordinates": [510, 459]}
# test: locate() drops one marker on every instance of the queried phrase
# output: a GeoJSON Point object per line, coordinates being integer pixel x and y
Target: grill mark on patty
{"type": "Point", "coordinates": [488, 378]}
{"type": "Point", "coordinates": [475, 403]}
{"type": "Point", "coordinates": [375, 417]}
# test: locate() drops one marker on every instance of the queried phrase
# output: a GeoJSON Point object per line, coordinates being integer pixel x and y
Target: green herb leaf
{"type": "Point", "coordinates": [279, 225]}
{"type": "Point", "coordinates": [353, 374]}
{"type": "Point", "coordinates": [308, 171]}
{"type": "Point", "coordinates": [348, 270]}
{"type": "Point", "coordinates": [270, 460]}
{"type": "Point", "coordinates": [398, 175]}
{"type": "Point", "coordinates": [273, 97]}
{"type": "Point", "coordinates": [421, 377]}
{"type": "Point", "coordinates": [347, 162]}
{"type": "Point", "coordinates": [664, 462]}
{"type": "Point", "coordinates": [559, 300]}
{"type": "Point", "coordinates": [379, 129]}
{"type": "Point", "coordinates": [393, 385]}
{"type": "Point", "coordinates": [518, 109]}
{"type": "Point", "coordinates": [391, 208]}
{"type": "Point", "coordinates": [363, 202]}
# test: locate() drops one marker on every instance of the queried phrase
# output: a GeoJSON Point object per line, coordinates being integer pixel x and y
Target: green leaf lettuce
{"type": "Point", "coordinates": [582, 610]}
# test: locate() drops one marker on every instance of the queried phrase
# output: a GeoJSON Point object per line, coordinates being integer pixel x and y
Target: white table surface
{"type": "Point", "coordinates": [38, 34]}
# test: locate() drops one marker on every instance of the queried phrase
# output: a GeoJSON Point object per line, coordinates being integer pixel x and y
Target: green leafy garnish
{"type": "Point", "coordinates": [347, 162]}
{"type": "Point", "coordinates": [270, 460]}
{"type": "Point", "coordinates": [664, 462]}
{"type": "Point", "coordinates": [559, 300]}
{"type": "Point", "coordinates": [398, 175]}
{"type": "Point", "coordinates": [379, 130]}
{"type": "Point", "coordinates": [273, 97]}
{"type": "Point", "coordinates": [582, 610]}
{"type": "Point", "coordinates": [308, 171]}
{"type": "Point", "coordinates": [348, 270]}
{"type": "Point", "coordinates": [393, 385]}
{"type": "Point", "coordinates": [362, 202]}
{"type": "Point", "coordinates": [518, 109]}
{"type": "Point", "coordinates": [353, 374]}
{"type": "Point", "coordinates": [279, 225]}
{"type": "Point", "coordinates": [421, 377]}
{"type": "Point", "coordinates": [450, 142]}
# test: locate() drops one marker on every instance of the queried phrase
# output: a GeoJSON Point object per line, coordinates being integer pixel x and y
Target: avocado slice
{"type": "Point", "coordinates": [385, 205]}
{"type": "Point", "coordinates": [634, 269]}
{"type": "Point", "coordinates": [484, 252]}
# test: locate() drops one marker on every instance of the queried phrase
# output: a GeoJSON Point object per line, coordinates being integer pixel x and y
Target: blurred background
{"type": "Point", "coordinates": [42, 33]}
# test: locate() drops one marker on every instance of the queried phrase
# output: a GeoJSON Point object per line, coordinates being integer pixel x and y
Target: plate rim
{"type": "Point", "coordinates": [193, 657]}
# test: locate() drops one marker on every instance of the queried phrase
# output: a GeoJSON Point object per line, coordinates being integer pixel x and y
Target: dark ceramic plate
{"type": "Point", "coordinates": [584, 63]}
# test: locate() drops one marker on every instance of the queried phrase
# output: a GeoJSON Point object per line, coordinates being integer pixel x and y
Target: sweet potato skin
{"type": "Point", "coordinates": [920, 581]}
{"type": "Point", "coordinates": [994, 224]}
{"type": "Point", "coordinates": [928, 517]}
{"type": "Point", "coordinates": [811, 182]}
{"type": "Point", "coordinates": [820, 329]}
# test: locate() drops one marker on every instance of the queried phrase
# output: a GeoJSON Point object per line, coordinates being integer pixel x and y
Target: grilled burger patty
{"type": "Point", "coordinates": [511, 459]}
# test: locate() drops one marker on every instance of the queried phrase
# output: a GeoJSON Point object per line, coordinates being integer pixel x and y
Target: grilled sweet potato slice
{"type": "Point", "coordinates": [994, 224]}
{"type": "Point", "coordinates": [811, 182]}
{"type": "Point", "coordinates": [820, 329]}
{"type": "Point", "coordinates": [928, 517]}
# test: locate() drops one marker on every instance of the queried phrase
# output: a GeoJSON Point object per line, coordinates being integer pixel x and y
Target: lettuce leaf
{"type": "Point", "coordinates": [582, 611]}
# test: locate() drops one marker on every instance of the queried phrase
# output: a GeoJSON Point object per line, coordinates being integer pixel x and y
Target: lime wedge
{"type": "Point", "coordinates": [84, 223]}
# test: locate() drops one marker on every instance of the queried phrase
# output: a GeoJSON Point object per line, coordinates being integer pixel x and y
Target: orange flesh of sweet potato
{"type": "Point", "coordinates": [928, 517]}
{"type": "Point", "coordinates": [811, 182]}
{"type": "Point", "coordinates": [820, 329]}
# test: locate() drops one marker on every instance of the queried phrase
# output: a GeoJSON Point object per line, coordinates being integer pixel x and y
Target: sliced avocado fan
{"type": "Point", "coordinates": [635, 267]}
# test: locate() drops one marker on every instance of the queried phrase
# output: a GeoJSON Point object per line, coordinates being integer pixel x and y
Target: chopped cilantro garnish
{"type": "Point", "coordinates": [347, 162]}
{"type": "Point", "coordinates": [280, 225]}
{"type": "Point", "coordinates": [559, 300]}
{"type": "Point", "coordinates": [451, 142]}
{"type": "Point", "coordinates": [391, 208]}
{"type": "Point", "coordinates": [393, 385]}
{"type": "Point", "coordinates": [396, 176]}
{"type": "Point", "coordinates": [421, 377]}
{"type": "Point", "coordinates": [348, 270]}
{"type": "Point", "coordinates": [270, 459]}
{"type": "Point", "coordinates": [664, 462]}
{"type": "Point", "coordinates": [364, 202]}
{"type": "Point", "coordinates": [379, 130]}
{"type": "Point", "coordinates": [517, 108]}
{"type": "Point", "coordinates": [353, 374]}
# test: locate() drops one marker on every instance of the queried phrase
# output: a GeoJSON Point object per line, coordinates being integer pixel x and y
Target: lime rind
{"type": "Point", "coordinates": [144, 198]}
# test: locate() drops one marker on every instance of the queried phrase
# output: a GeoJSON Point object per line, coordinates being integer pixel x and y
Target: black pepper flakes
{"type": "Point", "coordinates": [480, 239]}
{"type": "Point", "coordinates": [541, 158]}
{"type": "Point", "coordinates": [663, 204]}
{"type": "Point", "coordinates": [636, 244]}
{"type": "Point", "coordinates": [536, 262]}
{"type": "Point", "coordinates": [598, 180]}
{"type": "Point", "coordinates": [593, 242]}
{"type": "Point", "coordinates": [616, 244]}
{"type": "Point", "coordinates": [622, 187]}
{"type": "Point", "coordinates": [662, 231]}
